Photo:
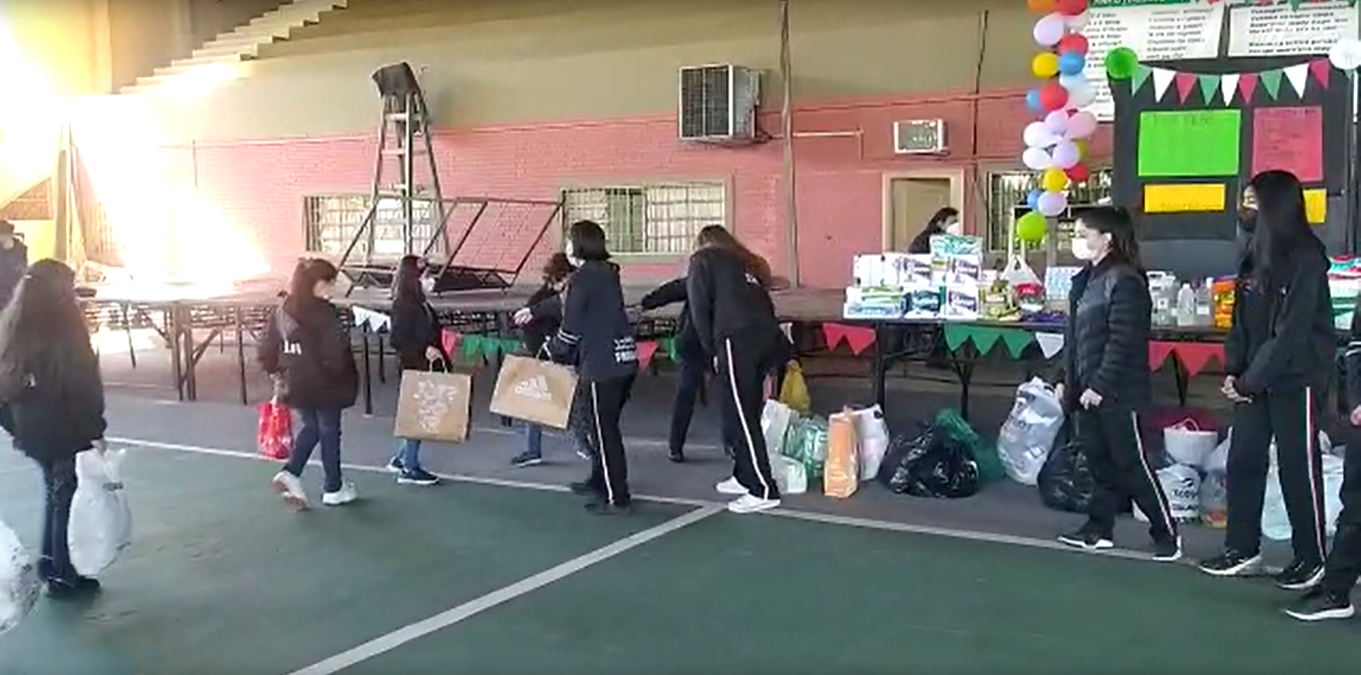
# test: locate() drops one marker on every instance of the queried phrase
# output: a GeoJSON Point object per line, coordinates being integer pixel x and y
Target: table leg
{"type": "Point", "coordinates": [176, 365]}
{"type": "Point", "coordinates": [504, 326]}
{"type": "Point", "coordinates": [382, 368]}
{"type": "Point", "coordinates": [879, 365]}
{"type": "Point", "coordinates": [127, 330]}
{"type": "Point", "coordinates": [190, 360]}
{"type": "Point", "coordinates": [240, 353]}
{"type": "Point", "coordinates": [368, 371]}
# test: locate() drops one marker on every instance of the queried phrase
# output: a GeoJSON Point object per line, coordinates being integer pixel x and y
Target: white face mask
{"type": "Point", "coordinates": [954, 227]}
{"type": "Point", "coordinates": [1080, 249]}
{"type": "Point", "coordinates": [571, 255]}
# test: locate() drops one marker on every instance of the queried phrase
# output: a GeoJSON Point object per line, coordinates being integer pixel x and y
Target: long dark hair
{"type": "Point", "coordinates": [406, 285]}
{"type": "Point", "coordinates": [43, 337]}
{"type": "Point", "coordinates": [1116, 222]}
{"type": "Point", "coordinates": [718, 237]}
{"type": "Point", "coordinates": [588, 241]}
{"type": "Point", "coordinates": [937, 222]}
{"type": "Point", "coordinates": [302, 287]}
{"type": "Point", "coordinates": [1282, 225]}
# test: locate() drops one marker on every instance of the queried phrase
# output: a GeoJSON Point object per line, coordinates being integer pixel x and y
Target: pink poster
{"type": "Point", "coordinates": [1289, 139]}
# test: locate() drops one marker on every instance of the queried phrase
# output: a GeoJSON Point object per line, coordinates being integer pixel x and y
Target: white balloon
{"type": "Point", "coordinates": [1036, 159]}
{"type": "Point", "coordinates": [1345, 54]}
{"type": "Point", "coordinates": [1057, 122]}
{"type": "Point", "coordinates": [1081, 125]}
{"type": "Point", "coordinates": [1037, 135]}
{"type": "Point", "coordinates": [1077, 22]}
{"type": "Point", "coordinates": [1052, 203]}
{"type": "Point", "coordinates": [1081, 97]}
{"type": "Point", "coordinates": [1071, 82]}
{"type": "Point", "coordinates": [1065, 155]}
{"type": "Point", "coordinates": [1049, 29]}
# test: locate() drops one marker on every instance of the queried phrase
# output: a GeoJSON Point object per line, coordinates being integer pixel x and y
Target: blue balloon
{"type": "Point", "coordinates": [1071, 63]}
{"type": "Point", "coordinates": [1032, 200]}
{"type": "Point", "coordinates": [1032, 100]}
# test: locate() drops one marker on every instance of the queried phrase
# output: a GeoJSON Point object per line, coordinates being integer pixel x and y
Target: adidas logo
{"type": "Point", "coordinates": [535, 388]}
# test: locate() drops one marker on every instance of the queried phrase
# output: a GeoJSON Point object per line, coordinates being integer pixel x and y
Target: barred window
{"type": "Point", "coordinates": [649, 219]}
{"type": "Point", "coordinates": [1007, 190]}
{"type": "Point", "coordinates": [333, 220]}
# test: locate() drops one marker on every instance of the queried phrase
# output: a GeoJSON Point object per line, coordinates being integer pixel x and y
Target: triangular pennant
{"type": "Point", "coordinates": [858, 338]}
{"type": "Point", "coordinates": [472, 347]}
{"type": "Point", "coordinates": [985, 338]}
{"type": "Point", "coordinates": [955, 336]}
{"type": "Point", "coordinates": [1298, 76]}
{"type": "Point", "coordinates": [1194, 356]}
{"type": "Point", "coordinates": [1140, 77]}
{"type": "Point", "coordinates": [449, 340]}
{"type": "Point", "coordinates": [1209, 85]}
{"type": "Point", "coordinates": [1295, 4]}
{"type": "Point", "coordinates": [1229, 85]}
{"type": "Point", "coordinates": [1016, 341]}
{"type": "Point", "coordinates": [646, 350]}
{"type": "Point", "coordinates": [1186, 83]}
{"type": "Point", "coordinates": [510, 345]}
{"type": "Point", "coordinates": [1247, 84]}
{"type": "Point", "coordinates": [788, 329]}
{"type": "Point", "coordinates": [671, 351]}
{"type": "Point", "coordinates": [1271, 82]}
{"type": "Point", "coordinates": [1162, 79]}
{"type": "Point", "coordinates": [833, 334]}
{"type": "Point", "coordinates": [1320, 69]}
{"type": "Point", "coordinates": [1158, 353]}
{"type": "Point", "coordinates": [1050, 344]}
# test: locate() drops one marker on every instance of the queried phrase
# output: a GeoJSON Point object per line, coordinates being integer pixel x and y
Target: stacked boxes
{"type": "Point", "coordinates": [942, 284]}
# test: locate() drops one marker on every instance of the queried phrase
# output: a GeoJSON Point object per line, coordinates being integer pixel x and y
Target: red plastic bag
{"type": "Point", "coordinates": [274, 436]}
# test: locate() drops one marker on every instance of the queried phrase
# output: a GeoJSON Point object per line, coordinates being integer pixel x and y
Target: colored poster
{"type": "Point", "coordinates": [1290, 139]}
{"type": "Point", "coordinates": [1316, 206]}
{"type": "Point", "coordinates": [1258, 29]}
{"type": "Point", "coordinates": [1156, 30]}
{"type": "Point", "coordinates": [1184, 197]}
{"type": "Point", "coordinates": [1188, 143]}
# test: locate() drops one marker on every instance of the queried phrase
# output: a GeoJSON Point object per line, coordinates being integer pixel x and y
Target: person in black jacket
{"type": "Point", "coordinates": [734, 318]}
{"type": "Point", "coordinates": [1279, 353]}
{"type": "Point", "coordinates": [1107, 383]}
{"type": "Point", "coordinates": [695, 366]}
{"type": "Point", "coordinates": [538, 320]}
{"type": "Point", "coordinates": [306, 348]}
{"type": "Point", "coordinates": [414, 333]}
{"type": "Point", "coordinates": [52, 403]}
{"type": "Point", "coordinates": [13, 261]}
{"type": "Point", "coordinates": [945, 221]}
{"type": "Point", "coordinates": [597, 337]}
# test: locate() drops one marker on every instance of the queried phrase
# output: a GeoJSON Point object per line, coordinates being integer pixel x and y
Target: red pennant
{"type": "Point", "coordinates": [449, 339]}
{"type": "Point", "coordinates": [1247, 83]}
{"type": "Point", "coordinates": [1194, 356]}
{"type": "Point", "coordinates": [646, 350]}
{"type": "Point", "coordinates": [1186, 83]}
{"type": "Point", "coordinates": [833, 334]}
{"type": "Point", "coordinates": [1158, 353]}
{"type": "Point", "coordinates": [858, 338]}
{"type": "Point", "coordinates": [1319, 68]}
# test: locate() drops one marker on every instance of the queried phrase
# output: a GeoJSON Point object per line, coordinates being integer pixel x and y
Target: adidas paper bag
{"type": "Point", "coordinates": [433, 406]}
{"type": "Point", "coordinates": [534, 391]}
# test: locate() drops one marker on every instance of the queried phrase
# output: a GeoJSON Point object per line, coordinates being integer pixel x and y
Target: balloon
{"type": "Point", "coordinates": [1053, 97]}
{"type": "Point", "coordinates": [1036, 159]}
{"type": "Point", "coordinates": [1057, 122]}
{"type": "Point", "coordinates": [1073, 43]}
{"type": "Point", "coordinates": [1032, 100]}
{"type": "Point", "coordinates": [1081, 125]}
{"type": "Point", "coordinates": [1078, 21]}
{"type": "Point", "coordinates": [1071, 63]}
{"type": "Point", "coordinates": [1065, 155]}
{"type": "Point", "coordinates": [1030, 228]}
{"type": "Point", "coordinates": [1037, 135]}
{"type": "Point", "coordinates": [1120, 63]}
{"type": "Point", "coordinates": [1032, 199]}
{"type": "Point", "coordinates": [1045, 65]}
{"type": "Point", "coordinates": [1049, 30]}
{"type": "Point", "coordinates": [1346, 54]}
{"type": "Point", "coordinates": [1053, 203]}
{"type": "Point", "coordinates": [1078, 173]}
{"type": "Point", "coordinates": [1075, 80]}
{"type": "Point", "coordinates": [1070, 7]}
{"type": "Point", "coordinates": [1054, 180]}
{"type": "Point", "coordinates": [1040, 6]}
{"type": "Point", "coordinates": [1081, 97]}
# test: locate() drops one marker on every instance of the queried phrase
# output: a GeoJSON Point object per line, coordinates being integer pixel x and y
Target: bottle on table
{"type": "Point", "coordinates": [1186, 305]}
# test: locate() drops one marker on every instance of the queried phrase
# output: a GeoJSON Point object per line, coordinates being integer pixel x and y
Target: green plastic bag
{"type": "Point", "coordinates": [952, 425]}
{"type": "Point", "coordinates": [806, 443]}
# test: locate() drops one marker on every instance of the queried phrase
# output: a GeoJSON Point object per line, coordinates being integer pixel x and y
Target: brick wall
{"type": "Point", "coordinates": [259, 186]}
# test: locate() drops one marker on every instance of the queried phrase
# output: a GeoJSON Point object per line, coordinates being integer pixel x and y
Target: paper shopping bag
{"type": "Point", "coordinates": [841, 475]}
{"type": "Point", "coordinates": [534, 391]}
{"type": "Point", "coordinates": [434, 406]}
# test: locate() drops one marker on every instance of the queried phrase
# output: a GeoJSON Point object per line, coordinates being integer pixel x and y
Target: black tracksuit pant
{"type": "Point", "coordinates": [1289, 415]}
{"type": "Point", "coordinates": [1120, 471]}
{"type": "Point", "coordinates": [692, 373]}
{"type": "Point", "coordinates": [609, 467]}
{"type": "Point", "coordinates": [743, 364]}
{"type": "Point", "coordinates": [1344, 560]}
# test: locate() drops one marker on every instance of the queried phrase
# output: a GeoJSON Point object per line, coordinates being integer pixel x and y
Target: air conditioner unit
{"type": "Point", "coordinates": [920, 137]}
{"type": "Point", "coordinates": [718, 103]}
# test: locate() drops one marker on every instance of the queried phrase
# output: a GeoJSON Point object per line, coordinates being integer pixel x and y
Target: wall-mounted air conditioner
{"type": "Point", "coordinates": [920, 137]}
{"type": "Point", "coordinates": [718, 103]}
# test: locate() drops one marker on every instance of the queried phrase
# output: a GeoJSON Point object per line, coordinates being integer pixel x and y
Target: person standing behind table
{"type": "Point", "coordinates": [945, 221]}
{"type": "Point", "coordinates": [52, 403]}
{"type": "Point", "coordinates": [415, 335]}
{"type": "Point", "coordinates": [1107, 382]}
{"type": "Point", "coordinates": [1279, 352]}
{"type": "Point", "coordinates": [538, 320]}
{"type": "Point", "coordinates": [597, 337]}
{"type": "Point", "coordinates": [735, 321]}
{"type": "Point", "coordinates": [13, 261]}
{"type": "Point", "coordinates": [307, 348]}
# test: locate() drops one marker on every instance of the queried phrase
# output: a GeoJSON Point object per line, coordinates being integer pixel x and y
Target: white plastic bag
{"type": "Point", "coordinates": [790, 475]}
{"type": "Point", "coordinates": [775, 420]}
{"type": "Point", "coordinates": [872, 431]}
{"type": "Point", "coordinates": [1186, 443]}
{"type": "Point", "coordinates": [101, 524]}
{"type": "Point", "coordinates": [1029, 432]}
{"type": "Point", "coordinates": [1181, 485]}
{"type": "Point", "coordinates": [1275, 520]}
{"type": "Point", "coordinates": [19, 583]}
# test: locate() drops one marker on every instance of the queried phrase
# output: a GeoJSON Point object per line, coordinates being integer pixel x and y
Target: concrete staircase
{"type": "Point", "coordinates": [240, 44]}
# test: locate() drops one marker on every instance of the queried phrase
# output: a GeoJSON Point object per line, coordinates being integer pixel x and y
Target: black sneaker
{"type": "Point", "coordinates": [1232, 563]}
{"type": "Point", "coordinates": [604, 508]}
{"type": "Point", "coordinates": [526, 459]}
{"type": "Point", "coordinates": [1321, 605]}
{"type": "Point", "coordinates": [1167, 550]}
{"type": "Point", "coordinates": [1087, 538]}
{"type": "Point", "coordinates": [676, 456]}
{"type": "Point", "coordinates": [395, 465]}
{"type": "Point", "coordinates": [75, 587]}
{"type": "Point", "coordinates": [1300, 576]}
{"type": "Point", "coordinates": [417, 476]}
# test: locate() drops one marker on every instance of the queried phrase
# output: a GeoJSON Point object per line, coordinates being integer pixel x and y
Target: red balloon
{"type": "Point", "coordinates": [1071, 7]}
{"type": "Point", "coordinates": [1073, 43]}
{"type": "Point", "coordinates": [1078, 173]}
{"type": "Point", "coordinates": [1053, 96]}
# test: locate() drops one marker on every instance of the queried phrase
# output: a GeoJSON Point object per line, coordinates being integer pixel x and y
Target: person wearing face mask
{"type": "Point", "coordinates": [946, 221]}
{"type": "Point", "coordinates": [1107, 383]}
{"type": "Point", "coordinates": [307, 349]}
{"type": "Point", "coordinates": [1279, 353]}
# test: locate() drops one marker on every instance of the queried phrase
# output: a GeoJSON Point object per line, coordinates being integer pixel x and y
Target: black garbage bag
{"type": "Point", "coordinates": [930, 465]}
{"type": "Point", "coordinates": [1065, 480]}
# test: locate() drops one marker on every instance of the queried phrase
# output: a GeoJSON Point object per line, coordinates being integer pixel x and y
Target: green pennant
{"type": "Point", "coordinates": [955, 336]}
{"type": "Point", "coordinates": [1209, 84]}
{"type": "Point", "coordinates": [510, 346]}
{"type": "Point", "coordinates": [491, 348]}
{"type": "Point", "coordinates": [1140, 77]}
{"type": "Point", "coordinates": [668, 345]}
{"type": "Point", "coordinates": [472, 347]}
{"type": "Point", "coordinates": [985, 338]}
{"type": "Point", "coordinates": [1016, 341]}
{"type": "Point", "coordinates": [1271, 82]}
{"type": "Point", "coordinates": [1295, 4]}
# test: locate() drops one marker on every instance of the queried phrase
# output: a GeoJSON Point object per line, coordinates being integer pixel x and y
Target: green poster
{"type": "Point", "coordinates": [1189, 143]}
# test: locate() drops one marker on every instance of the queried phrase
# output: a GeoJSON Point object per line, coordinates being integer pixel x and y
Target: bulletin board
{"type": "Point", "coordinates": [1188, 135]}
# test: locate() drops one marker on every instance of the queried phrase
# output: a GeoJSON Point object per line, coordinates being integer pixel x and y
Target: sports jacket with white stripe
{"type": "Point", "coordinates": [726, 302]}
{"type": "Point", "coordinates": [595, 335]}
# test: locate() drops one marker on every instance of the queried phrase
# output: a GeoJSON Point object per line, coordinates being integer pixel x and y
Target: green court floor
{"type": "Point", "coordinates": [222, 578]}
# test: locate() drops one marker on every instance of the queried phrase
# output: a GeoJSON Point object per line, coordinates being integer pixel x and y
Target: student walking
{"type": "Point", "coordinates": [597, 337]}
{"type": "Point", "coordinates": [307, 349]}
{"type": "Point", "coordinates": [415, 335]}
{"type": "Point", "coordinates": [1279, 353]}
{"type": "Point", "coordinates": [52, 403]}
{"type": "Point", "coordinates": [538, 320]}
{"type": "Point", "coordinates": [734, 319]}
{"type": "Point", "coordinates": [1107, 382]}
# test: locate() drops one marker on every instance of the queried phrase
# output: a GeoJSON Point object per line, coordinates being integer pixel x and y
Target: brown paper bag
{"type": "Point", "coordinates": [841, 474]}
{"type": "Point", "coordinates": [434, 406]}
{"type": "Point", "coordinates": [534, 391]}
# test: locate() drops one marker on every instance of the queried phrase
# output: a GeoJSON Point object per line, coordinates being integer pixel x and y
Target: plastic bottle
{"type": "Point", "coordinates": [1186, 306]}
{"type": "Point", "coordinates": [1205, 304]}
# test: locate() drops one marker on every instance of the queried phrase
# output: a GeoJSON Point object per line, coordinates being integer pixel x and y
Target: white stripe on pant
{"type": "Point", "coordinates": [1152, 477]}
{"type": "Point", "coordinates": [1311, 461]}
{"type": "Point", "coordinates": [742, 418]}
{"type": "Point", "coordinates": [600, 444]}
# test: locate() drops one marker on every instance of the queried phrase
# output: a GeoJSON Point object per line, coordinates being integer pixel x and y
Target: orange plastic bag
{"type": "Point", "coordinates": [841, 475]}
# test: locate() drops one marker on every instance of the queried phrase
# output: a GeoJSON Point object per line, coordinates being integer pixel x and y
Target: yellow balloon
{"type": "Point", "coordinates": [1045, 65]}
{"type": "Point", "coordinates": [1081, 145]}
{"type": "Point", "coordinates": [1054, 180]}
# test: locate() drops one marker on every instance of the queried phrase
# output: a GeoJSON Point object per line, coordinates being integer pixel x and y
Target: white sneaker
{"type": "Point", "coordinates": [730, 487]}
{"type": "Point", "coordinates": [344, 495]}
{"type": "Point", "coordinates": [749, 503]}
{"type": "Point", "coordinates": [290, 488]}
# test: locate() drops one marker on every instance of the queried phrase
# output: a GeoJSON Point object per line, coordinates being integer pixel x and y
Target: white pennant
{"type": "Point", "coordinates": [1162, 79]}
{"type": "Point", "coordinates": [788, 329]}
{"type": "Point", "coordinates": [1299, 78]}
{"type": "Point", "coordinates": [1050, 343]}
{"type": "Point", "coordinates": [376, 321]}
{"type": "Point", "coordinates": [1229, 85]}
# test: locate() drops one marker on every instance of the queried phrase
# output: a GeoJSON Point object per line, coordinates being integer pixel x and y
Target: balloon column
{"type": "Point", "coordinates": [1056, 144]}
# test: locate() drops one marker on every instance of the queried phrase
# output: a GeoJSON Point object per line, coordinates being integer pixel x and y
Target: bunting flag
{"type": "Point", "coordinates": [858, 338]}
{"type": "Point", "coordinates": [449, 340]}
{"type": "Point", "coordinates": [1224, 87]}
{"type": "Point", "coordinates": [646, 350]}
{"type": "Point", "coordinates": [1050, 344]}
{"type": "Point", "coordinates": [985, 338]}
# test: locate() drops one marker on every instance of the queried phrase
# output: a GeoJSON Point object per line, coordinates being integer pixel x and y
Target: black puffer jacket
{"type": "Point", "coordinates": [309, 345]}
{"type": "Point", "coordinates": [1106, 342]}
{"type": "Point", "coordinates": [51, 422]}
